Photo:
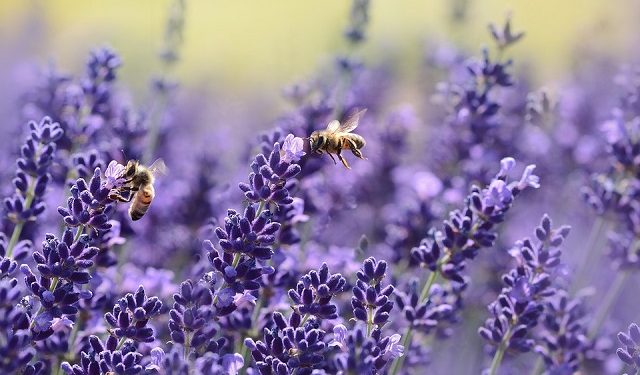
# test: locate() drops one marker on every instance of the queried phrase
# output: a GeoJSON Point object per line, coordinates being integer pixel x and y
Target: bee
{"type": "Point", "coordinates": [337, 137]}
{"type": "Point", "coordinates": [138, 186]}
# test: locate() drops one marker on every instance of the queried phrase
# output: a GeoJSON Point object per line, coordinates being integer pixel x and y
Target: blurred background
{"type": "Point", "coordinates": [233, 60]}
{"type": "Point", "coordinates": [240, 46]}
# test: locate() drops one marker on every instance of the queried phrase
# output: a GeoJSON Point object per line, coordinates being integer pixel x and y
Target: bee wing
{"type": "Point", "coordinates": [352, 122]}
{"type": "Point", "coordinates": [333, 126]}
{"type": "Point", "coordinates": [158, 168]}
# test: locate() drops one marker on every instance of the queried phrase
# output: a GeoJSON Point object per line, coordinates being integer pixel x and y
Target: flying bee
{"type": "Point", "coordinates": [337, 137]}
{"type": "Point", "coordinates": [138, 186]}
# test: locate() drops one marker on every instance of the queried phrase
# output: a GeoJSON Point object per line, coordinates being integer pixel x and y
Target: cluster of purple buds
{"type": "Point", "coordinates": [289, 216]}
{"type": "Point", "coordinates": [630, 351]}
{"type": "Point", "coordinates": [8, 265]}
{"type": "Point", "coordinates": [244, 240]}
{"type": "Point", "coordinates": [371, 302]}
{"type": "Point", "coordinates": [268, 180]}
{"type": "Point", "coordinates": [358, 20]}
{"type": "Point", "coordinates": [61, 266]}
{"type": "Point", "coordinates": [32, 177]}
{"type": "Point", "coordinates": [369, 352]}
{"type": "Point", "coordinates": [108, 357]}
{"type": "Point", "coordinates": [623, 250]}
{"type": "Point", "coordinates": [428, 314]}
{"type": "Point", "coordinates": [67, 259]}
{"type": "Point", "coordinates": [191, 318]}
{"type": "Point", "coordinates": [131, 315]}
{"type": "Point", "coordinates": [504, 37]}
{"type": "Point", "coordinates": [248, 234]}
{"type": "Point", "coordinates": [521, 302]}
{"type": "Point", "coordinates": [564, 336]}
{"type": "Point", "coordinates": [174, 362]}
{"type": "Point", "coordinates": [298, 344]}
{"type": "Point", "coordinates": [472, 228]}
{"type": "Point", "coordinates": [86, 163]}
{"type": "Point", "coordinates": [361, 353]}
{"type": "Point", "coordinates": [15, 341]}
{"type": "Point", "coordinates": [290, 346]}
{"type": "Point", "coordinates": [474, 112]}
{"type": "Point", "coordinates": [101, 73]}
{"type": "Point", "coordinates": [616, 190]}
{"type": "Point", "coordinates": [89, 205]}
{"type": "Point", "coordinates": [314, 293]}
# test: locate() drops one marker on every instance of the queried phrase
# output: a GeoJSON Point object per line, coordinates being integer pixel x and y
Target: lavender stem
{"type": "Point", "coordinates": [406, 338]}
{"type": "Point", "coordinates": [611, 296]}
{"type": "Point", "coordinates": [497, 358]}
{"type": "Point", "coordinates": [17, 230]}
{"type": "Point", "coordinates": [597, 230]}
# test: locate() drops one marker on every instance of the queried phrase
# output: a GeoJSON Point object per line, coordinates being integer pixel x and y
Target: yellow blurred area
{"type": "Point", "coordinates": [265, 44]}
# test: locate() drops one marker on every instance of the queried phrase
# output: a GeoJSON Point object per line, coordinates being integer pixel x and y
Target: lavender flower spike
{"type": "Point", "coordinates": [630, 352]}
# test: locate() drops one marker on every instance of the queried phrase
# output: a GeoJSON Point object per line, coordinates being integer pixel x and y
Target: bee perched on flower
{"type": "Point", "coordinates": [134, 183]}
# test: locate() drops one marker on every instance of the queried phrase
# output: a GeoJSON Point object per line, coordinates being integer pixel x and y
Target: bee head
{"type": "Point", "coordinates": [131, 169]}
{"type": "Point", "coordinates": [316, 141]}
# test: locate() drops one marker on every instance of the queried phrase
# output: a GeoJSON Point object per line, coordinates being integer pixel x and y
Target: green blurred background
{"type": "Point", "coordinates": [241, 45]}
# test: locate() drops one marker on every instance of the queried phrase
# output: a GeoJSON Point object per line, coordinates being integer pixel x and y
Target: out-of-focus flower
{"type": "Point", "coordinates": [114, 175]}
{"type": "Point", "coordinates": [232, 363]}
{"type": "Point", "coordinates": [393, 349]}
{"type": "Point", "coordinates": [520, 305]}
{"type": "Point", "coordinates": [339, 337]}
{"type": "Point", "coordinates": [504, 37]}
{"type": "Point", "coordinates": [292, 149]}
{"type": "Point", "coordinates": [629, 353]}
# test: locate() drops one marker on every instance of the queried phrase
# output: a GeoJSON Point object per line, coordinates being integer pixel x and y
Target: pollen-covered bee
{"type": "Point", "coordinates": [138, 186]}
{"type": "Point", "coordinates": [337, 137]}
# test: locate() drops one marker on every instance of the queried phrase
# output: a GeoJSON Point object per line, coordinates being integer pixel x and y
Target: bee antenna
{"type": "Point", "coordinates": [123, 154]}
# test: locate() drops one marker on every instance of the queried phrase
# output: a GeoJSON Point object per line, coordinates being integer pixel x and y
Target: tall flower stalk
{"type": "Point", "coordinates": [446, 252]}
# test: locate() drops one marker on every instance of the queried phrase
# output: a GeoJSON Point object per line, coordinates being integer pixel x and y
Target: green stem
{"type": "Point", "coordinates": [406, 341]}
{"type": "Point", "coordinates": [236, 260]}
{"type": "Point", "coordinates": [304, 319]}
{"type": "Point", "coordinates": [79, 232]}
{"type": "Point", "coordinates": [15, 236]}
{"type": "Point", "coordinates": [244, 351]}
{"type": "Point", "coordinates": [54, 283]}
{"type": "Point", "coordinates": [427, 286]}
{"type": "Point", "coordinates": [17, 230]}
{"type": "Point", "coordinates": [121, 342]}
{"type": "Point", "coordinates": [187, 347]}
{"type": "Point", "coordinates": [30, 196]}
{"type": "Point", "coordinates": [70, 355]}
{"type": "Point", "coordinates": [537, 369]}
{"type": "Point", "coordinates": [406, 338]}
{"type": "Point", "coordinates": [497, 358]}
{"type": "Point", "coordinates": [56, 366]}
{"type": "Point", "coordinates": [610, 298]}
{"type": "Point", "coordinates": [260, 208]}
{"type": "Point", "coordinates": [597, 230]}
{"type": "Point", "coordinates": [369, 320]}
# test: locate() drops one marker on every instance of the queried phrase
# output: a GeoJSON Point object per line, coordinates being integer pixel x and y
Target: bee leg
{"type": "Point", "coordinates": [332, 158]}
{"type": "Point", "coordinates": [117, 196]}
{"type": "Point", "coordinates": [358, 153]}
{"type": "Point", "coordinates": [354, 149]}
{"type": "Point", "coordinates": [343, 160]}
